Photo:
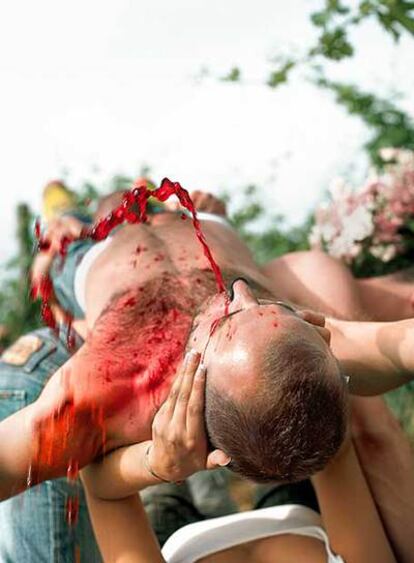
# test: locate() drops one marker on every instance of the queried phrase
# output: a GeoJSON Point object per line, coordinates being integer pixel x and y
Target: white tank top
{"type": "Point", "coordinates": [198, 540]}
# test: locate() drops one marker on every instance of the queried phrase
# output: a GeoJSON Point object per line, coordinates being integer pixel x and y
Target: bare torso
{"type": "Point", "coordinates": [168, 244]}
{"type": "Point", "coordinates": [142, 293]}
{"type": "Point", "coordinates": [167, 256]}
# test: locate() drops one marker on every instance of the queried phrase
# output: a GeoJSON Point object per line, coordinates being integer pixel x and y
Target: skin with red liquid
{"type": "Point", "coordinates": [118, 379]}
{"type": "Point", "coordinates": [137, 198]}
{"type": "Point", "coordinates": [115, 383]}
{"type": "Point", "coordinates": [133, 209]}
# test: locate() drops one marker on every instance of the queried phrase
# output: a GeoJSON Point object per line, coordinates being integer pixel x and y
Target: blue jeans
{"type": "Point", "coordinates": [33, 526]}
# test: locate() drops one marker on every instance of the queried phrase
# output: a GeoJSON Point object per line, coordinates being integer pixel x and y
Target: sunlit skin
{"type": "Point", "coordinates": [230, 353]}
{"type": "Point", "coordinates": [113, 374]}
{"type": "Point", "coordinates": [106, 395]}
{"type": "Point", "coordinates": [234, 351]}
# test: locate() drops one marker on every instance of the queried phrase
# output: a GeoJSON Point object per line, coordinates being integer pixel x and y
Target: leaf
{"type": "Point", "coordinates": [334, 45]}
{"type": "Point", "coordinates": [337, 7]}
{"type": "Point", "coordinates": [280, 76]}
{"type": "Point", "coordinates": [320, 19]}
{"type": "Point", "coordinates": [233, 76]}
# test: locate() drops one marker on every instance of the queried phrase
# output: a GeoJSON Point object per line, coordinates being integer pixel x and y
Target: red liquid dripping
{"type": "Point", "coordinates": [72, 472]}
{"type": "Point", "coordinates": [72, 510]}
{"type": "Point", "coordinates": [72, 502]}
{"type": "Point", "coordinates": [57, 433]}
{"type": "Point", "coordinates": [133, 209]}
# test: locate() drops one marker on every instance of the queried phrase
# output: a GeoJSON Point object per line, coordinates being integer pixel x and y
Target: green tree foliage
{"type": "Point", "coordinates": [18, 312]}
{"type": "Point", "coordinates": [233, 75]}
{"type": "Point", "coordinates": [266, 234]}
{"type": "Point", "coordinates": [388, 125]}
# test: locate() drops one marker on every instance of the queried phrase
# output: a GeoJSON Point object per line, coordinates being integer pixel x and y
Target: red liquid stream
{"type": "Point", "coordinates": [132, 210]}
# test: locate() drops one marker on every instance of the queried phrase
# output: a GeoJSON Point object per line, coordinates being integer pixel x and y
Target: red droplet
{"type": "Point", "coordinates": [72, 472]}
{"type": "Point", "coordinates": [160, 346]}
{"type": "Point", "coordinates": [72, 510]}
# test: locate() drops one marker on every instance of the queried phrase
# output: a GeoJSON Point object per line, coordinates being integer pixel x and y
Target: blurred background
{"type": "Point", "coordinates": [265, 103]}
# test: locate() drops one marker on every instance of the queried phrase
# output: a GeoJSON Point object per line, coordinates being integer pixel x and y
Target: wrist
{"type": "Point", "coordinates": [149, 466]}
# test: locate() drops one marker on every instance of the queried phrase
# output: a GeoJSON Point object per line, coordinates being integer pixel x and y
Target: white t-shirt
{"type": "Point", "coordinates": [198, 540]}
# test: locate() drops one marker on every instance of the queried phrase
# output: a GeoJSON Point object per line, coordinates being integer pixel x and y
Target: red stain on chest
{"type": "Point", "coordinates": [135, 355]}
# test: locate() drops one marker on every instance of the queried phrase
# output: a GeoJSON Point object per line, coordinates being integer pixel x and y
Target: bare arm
{"type": "Point", "coordinates": [44, 439]}
{"type": "Point", "coordinates": [122, 530]}
{"type": "Point", "coordinates": [377, 356]}
{"type": "Point", "coordinates": [18, 440]}
{"type": "Point", "coordinates": [349, 513]}
{"type": "Point", "coordinates": [387, 460]}
{"type": "Point", "coordinates": [178, 449]}
{"type": "Point", "coordinates": [15, 452]}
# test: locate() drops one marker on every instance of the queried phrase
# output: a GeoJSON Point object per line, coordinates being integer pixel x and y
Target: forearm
{"type": "Point", "coordinates": [56, 432]}
{"type": "Point", "coordinates": [120, 474]}
{"type": "Point", "coordinates": [386, 457]}
{"type": "Point", "coordinates": [122, 530]}
{"type": "Point", "coordinates": [15, 452]}
{"type": "Point", "coordinates": [349, 513]}
{"type": "Point", "coordinates": [377, 356]}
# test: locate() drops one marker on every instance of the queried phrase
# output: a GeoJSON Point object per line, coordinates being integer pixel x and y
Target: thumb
{"type": "Point", "coordinates": [217, 458]}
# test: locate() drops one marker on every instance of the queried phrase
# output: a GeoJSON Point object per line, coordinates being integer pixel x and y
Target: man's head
{"type": "Point", "coordinates": [276, 400]}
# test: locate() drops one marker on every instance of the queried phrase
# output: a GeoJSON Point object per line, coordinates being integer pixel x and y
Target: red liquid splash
{"type": "Point", "coordinates": [72, 510]}
{"type": "Point", "coordinates": [132, 210]}
{"type": "Point", "coordinates": [57, 434]}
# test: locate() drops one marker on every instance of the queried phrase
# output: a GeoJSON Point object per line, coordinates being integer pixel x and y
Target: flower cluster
{"type": "Point", "coordinates": [375, 221]}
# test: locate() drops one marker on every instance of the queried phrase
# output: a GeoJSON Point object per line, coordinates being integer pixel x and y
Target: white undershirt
{"type": "Point", "coordinates": [192, 542]}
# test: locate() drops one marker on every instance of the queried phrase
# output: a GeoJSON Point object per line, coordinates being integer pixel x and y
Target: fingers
{"type": "Point", "coordinates": [41, 266]}
{"type": "Point", "coordinates": [204, 201]}
{"type": "Point", "coordinates": [325, 333]}
{"type": "Point", "coordinates": [195, 410]}
{"type": "Point", "coordinates": [217, 458]}
{"type": "Point", "coordinates": [312, 317]}
{"type": "Point", "coordinates": [179, 443]}
{"type": "Point", "coordinates": [185, 390]}
{"type": "Point", "coordinates": [58, 230]}
{"type": "Point", "coordinates": [318, 321]}
{"type": "Point", "coordinates": [181, 387]}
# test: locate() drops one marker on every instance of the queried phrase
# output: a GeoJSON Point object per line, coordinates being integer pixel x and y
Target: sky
{"type": "Point", "coordinates": [102, 87]}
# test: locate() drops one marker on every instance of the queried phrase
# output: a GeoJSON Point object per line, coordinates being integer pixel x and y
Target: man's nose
{"type": "Point", "coordinates": [243, 296]}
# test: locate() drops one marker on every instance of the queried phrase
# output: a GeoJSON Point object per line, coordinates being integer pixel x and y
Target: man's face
{"type": "Point", "coordinates": [233, 351]}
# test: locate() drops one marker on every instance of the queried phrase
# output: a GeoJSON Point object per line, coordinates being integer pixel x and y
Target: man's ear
{"type": "Point", "coordinates": [217, 458]}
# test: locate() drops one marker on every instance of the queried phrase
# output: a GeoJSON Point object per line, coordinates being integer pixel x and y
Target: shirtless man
{"type": "Point", "coordinates": [276, 396]}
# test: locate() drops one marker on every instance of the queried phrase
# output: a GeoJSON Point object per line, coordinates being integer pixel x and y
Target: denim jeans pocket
{"type": "Point", "coordinates": [11, 400]}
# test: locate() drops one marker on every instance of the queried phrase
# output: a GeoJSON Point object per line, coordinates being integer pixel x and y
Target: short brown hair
{"type": "Point", "coordinates": [294, 423]}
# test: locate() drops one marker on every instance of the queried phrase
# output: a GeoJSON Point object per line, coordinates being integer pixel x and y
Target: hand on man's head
{"type": "Point", "coordinates": [318, 321]}
{"type": "Point", "coordinates": [203, 201]}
